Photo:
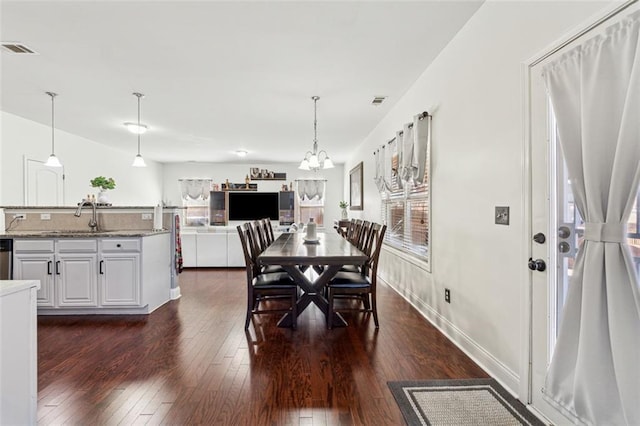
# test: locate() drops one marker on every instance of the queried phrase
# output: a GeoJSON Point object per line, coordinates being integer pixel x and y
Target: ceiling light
{"type": "Point", "coordinates": [52, 161]}
{"type": "Point", "coordinates": [136, 128]}
{"type": "Point", "coordinates": [314, 160]}
{"type": "Point", "coordinates": [241, 153]}
{"type": "Point", "coordinates": [138, 161]}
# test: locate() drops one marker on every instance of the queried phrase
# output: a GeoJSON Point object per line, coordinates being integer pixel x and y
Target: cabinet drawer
{"type": "Point", "coordinates": [76, 246]}
{"type": "Point", "coordinates": [33, 245]}
{"type": "Point", "coordinates": [116, 245]}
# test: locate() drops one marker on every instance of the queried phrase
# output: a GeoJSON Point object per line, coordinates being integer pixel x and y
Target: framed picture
{"type": "Point", "coordinates": [355, 188]}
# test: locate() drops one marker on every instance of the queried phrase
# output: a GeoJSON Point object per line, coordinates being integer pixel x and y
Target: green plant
{"type": "Point", "coordinates": [343, 204]}
{"type": "Point", "coordinates": [103, 182]}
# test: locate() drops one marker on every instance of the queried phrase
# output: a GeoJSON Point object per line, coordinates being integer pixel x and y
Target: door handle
{"type": "Point", "coordinates": [49, 267]}
{"type": "Point", "coordinates": [539, 238]}
{"type": "Point", "coordinates": [537, 265]}
{"type": "Point", "coordinates": [101, 271]}
{"type": "Point", "coordinates": [57, 267]}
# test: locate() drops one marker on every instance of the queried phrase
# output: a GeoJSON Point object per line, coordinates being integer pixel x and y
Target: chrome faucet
{"type": "Point", "coordinates": [93, 222]}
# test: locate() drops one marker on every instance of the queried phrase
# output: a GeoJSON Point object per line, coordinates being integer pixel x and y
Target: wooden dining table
{"type": "Point", "coordinates": [330, 253]}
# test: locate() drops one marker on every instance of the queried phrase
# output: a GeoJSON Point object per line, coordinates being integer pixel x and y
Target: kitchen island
{"type": "Point", "coordinates": [108, 271]}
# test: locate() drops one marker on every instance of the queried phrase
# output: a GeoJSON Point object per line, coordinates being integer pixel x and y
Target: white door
{"type": "Point", "coordinates": [44, 185]}
{"type": "Point", "coordinates": [554, 216]}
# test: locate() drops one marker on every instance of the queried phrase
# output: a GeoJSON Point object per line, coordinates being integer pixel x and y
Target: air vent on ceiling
{"type": "Point", "coordinates": [17, 48]}
{"type": "Point", "coordinates": [378, 100]}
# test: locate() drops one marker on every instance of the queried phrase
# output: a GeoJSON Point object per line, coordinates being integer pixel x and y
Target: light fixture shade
{"type": "Point", "coordinates": [313, 162]}
{"type": "Point", "coordinates": [327, 164]}
{"type": "Point", "coordinates": [138, 161]}
{"type": "Point", "coordinates": [53, 161]}
{"type": "Point", "coordinates": [241, 153]}
{"type": "Point", "coordinates": [304, 165]}
{"type": "Point", "coordinates": [136, 128]}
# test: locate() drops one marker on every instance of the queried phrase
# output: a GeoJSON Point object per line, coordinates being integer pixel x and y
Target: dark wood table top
{"type": "Point", "coordinates": [291, 249]}
{"type": "Point", "coordinates": [326, 258]}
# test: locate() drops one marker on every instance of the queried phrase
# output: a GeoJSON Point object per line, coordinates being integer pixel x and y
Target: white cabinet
{"type": "Point", "coordinates": [189, 250]}
{"type": "Point", "coordinates": [119, 271]}
{"type": "Point", "coordinates": [18, 363]}
{"type": "Point", "coordinates": [234, 250]}
{"type": "Point", "coordinates": [38, 266]}
{"type": "Point", "coordinates": [76, 280]}
{"type": "Point", "coordinates": [66, 270]}
{"type": "Point", "coordinates": [211, 249]}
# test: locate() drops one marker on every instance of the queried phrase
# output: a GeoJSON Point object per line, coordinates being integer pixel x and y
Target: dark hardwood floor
{"type": "Point", "coordinates": [190, 362]}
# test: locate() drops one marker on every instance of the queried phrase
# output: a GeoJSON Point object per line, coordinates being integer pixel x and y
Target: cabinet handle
{"type": "Point", "coordinates": [57, 267]}
{"type": "Point", "coordinates": [101, 271]}
{"type": "Point", "coordinates": [49, 267]}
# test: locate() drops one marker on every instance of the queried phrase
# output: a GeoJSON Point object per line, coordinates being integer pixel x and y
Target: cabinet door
{"type": "Point", "coordinates": [36, 267]}
{"type": "Point", "coordinates": [189, 250]}
{"type": "Point", "coordinates": [77, 279]}
{"type": "Point", "coordinates": [235, 253]}
{"type": "Point", "coordinates": [120, 279]}
{"type": "Point", "coordinates": [211, 249]}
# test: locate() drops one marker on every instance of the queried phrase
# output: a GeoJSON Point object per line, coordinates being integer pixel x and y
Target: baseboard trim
{"type": "Point", "coordinates": [505, 376]}
{"type": "Point", "coordinates": [175, 293]}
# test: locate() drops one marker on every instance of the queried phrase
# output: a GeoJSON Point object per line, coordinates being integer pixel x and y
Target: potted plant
{"type": "Point", "coordinates": [104, 184]}
{"type": "Point", "coordinates": [343, 205]}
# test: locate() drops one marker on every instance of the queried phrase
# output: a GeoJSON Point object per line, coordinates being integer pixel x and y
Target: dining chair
{"type": "Point", "coordinates": [264, 287]}
{"type": "Point", "coordinates": [363, 244]}
{"type": "Point", "coordinates": [256, 229]}
{"type": "Point", "coordinates": [358, 285]}
{"type": "Point", "coordinates": [356, 232]}
{"type": "Point", "coordinates": [268, 230]}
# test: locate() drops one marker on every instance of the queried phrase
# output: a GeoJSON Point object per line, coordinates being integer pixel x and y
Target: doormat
{"type": "Point", "coordinates": [469, 402]}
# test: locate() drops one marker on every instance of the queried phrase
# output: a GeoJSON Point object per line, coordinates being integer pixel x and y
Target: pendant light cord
{"type": "Point", "coordinates": [53, 122]}
{"type": "Point", "coordinates": [315, 124]}
{"type": "Point", "coordinates": [139, 95]}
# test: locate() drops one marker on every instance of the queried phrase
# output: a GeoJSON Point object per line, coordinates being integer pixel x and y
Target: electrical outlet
{"type": "Point", "coordinates": [147, 216]}
{"type": "Point", "coordinates": [502, 215]}
{"type": "Point", "coordinates": [45, 216]}
{"type": "Point", "coordinates": [447, 295]}
{"type": "Point", "coordinates": [20, 216]}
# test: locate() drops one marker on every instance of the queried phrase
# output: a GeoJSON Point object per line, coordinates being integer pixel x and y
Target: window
{"type": "Point", "coordinates": [310, 193]}
{"type": "Point", "coordinates": [406, 206]}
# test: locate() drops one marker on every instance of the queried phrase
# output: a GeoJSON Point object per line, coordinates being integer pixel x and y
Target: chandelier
{"type": "Point", "coordinates": [314, 160]}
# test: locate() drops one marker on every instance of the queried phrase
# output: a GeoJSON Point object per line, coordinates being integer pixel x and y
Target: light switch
{"type": "Point", "coordinates": [502, 215]}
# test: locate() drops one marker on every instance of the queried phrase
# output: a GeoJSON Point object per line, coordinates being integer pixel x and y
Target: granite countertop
{"type": "Point", "coordinates": [9, 287]}
{"type": "Point", "coordinates": [82, 234]}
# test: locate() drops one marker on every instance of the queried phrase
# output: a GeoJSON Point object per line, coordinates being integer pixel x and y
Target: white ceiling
{"type": "Point", "coordinates": [220, 76]}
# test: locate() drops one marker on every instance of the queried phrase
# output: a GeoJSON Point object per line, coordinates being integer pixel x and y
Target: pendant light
{"type": "Point", "coordinates": [52, 161]}
{"type": "Point", "coordinates": [314, 160]}
{"type": "Point", "coordinates": [138, 161]}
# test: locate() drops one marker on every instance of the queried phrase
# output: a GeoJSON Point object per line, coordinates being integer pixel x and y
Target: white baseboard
{"type": "Point", "coordinates": [503, 375]}
{"type": "Point", "coordinates": [175, 293]}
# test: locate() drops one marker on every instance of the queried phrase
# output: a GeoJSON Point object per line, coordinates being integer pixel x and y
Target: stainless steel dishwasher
{"type": "Point", "coordinates": [6, 251]}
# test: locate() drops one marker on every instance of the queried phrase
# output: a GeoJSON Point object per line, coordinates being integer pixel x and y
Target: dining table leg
{"type": "Point", "coordinates": [312, 293]}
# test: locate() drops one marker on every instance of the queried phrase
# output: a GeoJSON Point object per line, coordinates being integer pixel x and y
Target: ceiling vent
{"type": "Point", "coordinates": [378, 100]}
{"type": "Point", "coordinates": [17, 48]}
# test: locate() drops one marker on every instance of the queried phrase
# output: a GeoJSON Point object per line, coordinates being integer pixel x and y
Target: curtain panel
{"type": "Point", "coordinates": [594, 375]}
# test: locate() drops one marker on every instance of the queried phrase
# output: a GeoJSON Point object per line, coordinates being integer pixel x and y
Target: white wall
{"type": "Point", "coordinates": [82, 159]}
{"type": "Point", "coordinates": [474, 89]}
{"type": "Point", "coordinates": [236, 173]}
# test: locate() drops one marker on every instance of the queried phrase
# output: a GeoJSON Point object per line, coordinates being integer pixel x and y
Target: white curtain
{"type": "Point", "coordinates": [595, 93]}
{"type": "Point", "coordinates": [311, 191]}
{"type": "Point", "coordinates": [195, 189]}
{"type": "Point", "coordinates": [407, 157]}
{"type": "Point", "coordinates": [421, 143]}
{"type": "Point", "coordinates": [379, 176]}
{"type": "Point", "coordinates": [396, 151]}
{"type": "Point", "coordinates": [387, 159]}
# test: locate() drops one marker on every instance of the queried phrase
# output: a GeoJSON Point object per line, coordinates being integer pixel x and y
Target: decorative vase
{"type": "Point", "coordinates": [345, 216]}
{"type": "Point", "coordinates": [102, 197]}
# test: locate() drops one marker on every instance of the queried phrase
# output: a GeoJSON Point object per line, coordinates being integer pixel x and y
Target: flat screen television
{"type": "Point", "coordinates": [253, 205]}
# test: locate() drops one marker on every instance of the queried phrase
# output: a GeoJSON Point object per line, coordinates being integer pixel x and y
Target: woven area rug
{"type": "Point", "coordinates": [459, 403]}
